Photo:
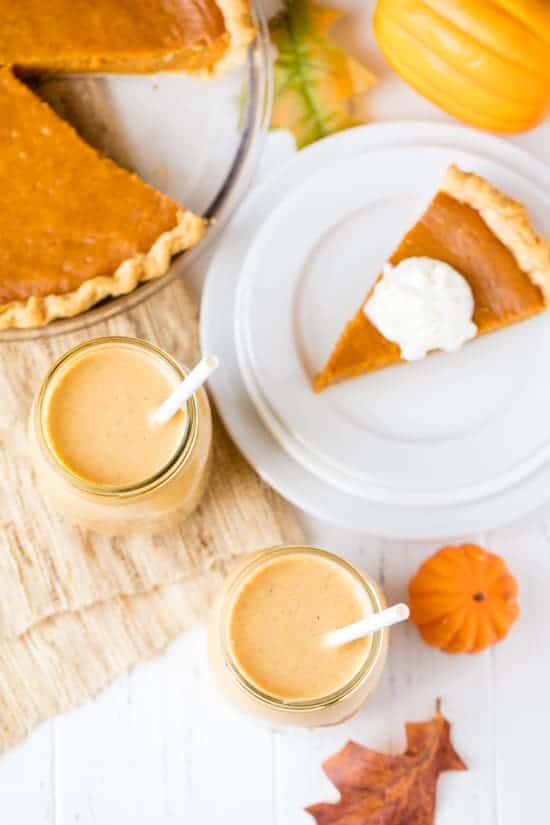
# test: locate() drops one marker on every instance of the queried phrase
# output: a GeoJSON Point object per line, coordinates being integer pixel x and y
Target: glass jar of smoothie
{"type": "Point", "coordinates": [266, 637]}
{"type": "Point", "coordinates": [99, 460]}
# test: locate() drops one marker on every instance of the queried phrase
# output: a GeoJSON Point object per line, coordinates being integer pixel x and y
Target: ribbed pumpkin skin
{"type": "Point", "coordinates": [487, 62]}
{"type": "Point", "coordinates": [463, 599]}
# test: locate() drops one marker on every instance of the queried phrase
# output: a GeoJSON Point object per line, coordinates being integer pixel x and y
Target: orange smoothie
{"type": "Point", "coordinates": [98, 457]}
{"type": "Point", "coordinates": [278, 621]}
{"type": "Point", "coordinates": [98, 417]}
{"type": "Point", "coordinates": [267, 636]}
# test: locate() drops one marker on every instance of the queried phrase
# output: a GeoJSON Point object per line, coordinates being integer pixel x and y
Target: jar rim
{"type": "Point", "coordinates": [165, 473]}
{"type": "Point", "coordinates": [372, 657]}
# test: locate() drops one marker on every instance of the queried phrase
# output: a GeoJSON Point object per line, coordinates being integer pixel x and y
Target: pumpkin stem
{"type": "Point", "coordinates": [438, 706]}
{"type": "Point", "coordinates": [479, 597]}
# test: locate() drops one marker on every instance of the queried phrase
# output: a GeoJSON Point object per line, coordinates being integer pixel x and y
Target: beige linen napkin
{"type": "Point", "coordinates": [77, 609]}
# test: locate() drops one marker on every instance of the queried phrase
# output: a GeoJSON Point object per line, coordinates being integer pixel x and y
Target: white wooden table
{"type": "Point", "coordinates": [160, 747]}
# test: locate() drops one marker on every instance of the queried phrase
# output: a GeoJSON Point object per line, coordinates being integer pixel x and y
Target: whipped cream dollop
{"type": "Point", "coordinates": [422, 304]}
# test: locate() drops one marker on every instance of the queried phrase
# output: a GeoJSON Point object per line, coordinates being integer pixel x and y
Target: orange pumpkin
{"type": "Point", "coordinates": [463, 599]}
{"type": "Point", "coordinates": [487, 62]}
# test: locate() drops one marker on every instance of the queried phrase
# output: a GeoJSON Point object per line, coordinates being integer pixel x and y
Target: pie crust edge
{"type": "Point", "coordinates": [241, 31]}
{"type": "Point", "coordinates": [508, 220]}
{"type": "Point", "coordinates": [37, 311]}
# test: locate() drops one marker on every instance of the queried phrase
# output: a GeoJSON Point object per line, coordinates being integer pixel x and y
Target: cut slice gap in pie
{"type": "Point", "coordinates": [75, 227]}
{"type": "Point", "coordinates": [125, 36]}
{"type": "Point", "coordinates": [484, 235]}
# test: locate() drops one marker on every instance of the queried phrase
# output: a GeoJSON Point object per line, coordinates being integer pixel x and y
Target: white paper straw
{"type": "Point", "coordinates": [351, 632]}
{"type": "Point", "coordinates": [185, 390]}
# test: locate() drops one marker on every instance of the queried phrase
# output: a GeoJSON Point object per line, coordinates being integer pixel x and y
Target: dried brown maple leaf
{"type": "Point", "coordinates": [377, 789]}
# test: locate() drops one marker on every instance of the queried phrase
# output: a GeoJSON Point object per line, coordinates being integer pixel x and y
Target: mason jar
{"type": "Point", "coordinates": [165, 494]}
{"type": "Point", "coordinates": [236, 674]}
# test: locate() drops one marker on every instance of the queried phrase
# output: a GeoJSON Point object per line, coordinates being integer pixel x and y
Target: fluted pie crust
{"type": "Point", "coordinates": [484, 234]}
{"type": "Point", "coordinates": [37, 311]}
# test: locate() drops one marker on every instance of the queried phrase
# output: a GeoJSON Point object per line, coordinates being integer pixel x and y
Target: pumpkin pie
{"type": "Point", "coordinates": [122, 35]}
{"type": "Point", "coordinates": [75, 227]}
{"type": "Point", "coordinates": [489, 239]}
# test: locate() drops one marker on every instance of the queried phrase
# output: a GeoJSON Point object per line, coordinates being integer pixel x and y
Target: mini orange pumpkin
{"type": "Point", "coordinates": [487, 62]}
{"type": "Point", "coordinates": [463, 599]}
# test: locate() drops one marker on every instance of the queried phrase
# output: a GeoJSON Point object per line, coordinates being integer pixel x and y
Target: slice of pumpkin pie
{"type": "Point", "coordinates": [472, 264]}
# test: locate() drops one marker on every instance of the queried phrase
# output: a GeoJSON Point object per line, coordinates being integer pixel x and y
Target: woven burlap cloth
{"type": "Point", "coordinates": [77, 609]}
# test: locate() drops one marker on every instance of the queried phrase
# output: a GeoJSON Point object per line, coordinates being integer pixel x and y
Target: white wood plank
{"type": "Point", "coordinates": [522, 679]}
{"type": "Point", "coordinates": [218, 762]}
{"type": "Point", "coordinates": [27, 781]}
{"type": "Point", "coordinates": [108, 752]}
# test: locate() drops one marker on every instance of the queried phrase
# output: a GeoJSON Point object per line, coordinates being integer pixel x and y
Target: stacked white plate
{"type": "Point", "coordinates": [455, 443]}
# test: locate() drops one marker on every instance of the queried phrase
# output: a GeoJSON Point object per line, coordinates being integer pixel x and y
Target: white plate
{"type": "Point", "coordinates": [430, 434]}
{"type": "Point", "coordinates": [404, 452]}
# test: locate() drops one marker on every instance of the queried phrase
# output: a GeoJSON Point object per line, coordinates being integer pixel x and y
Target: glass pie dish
{"type": "Point", "coordinates": [197, 140]}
